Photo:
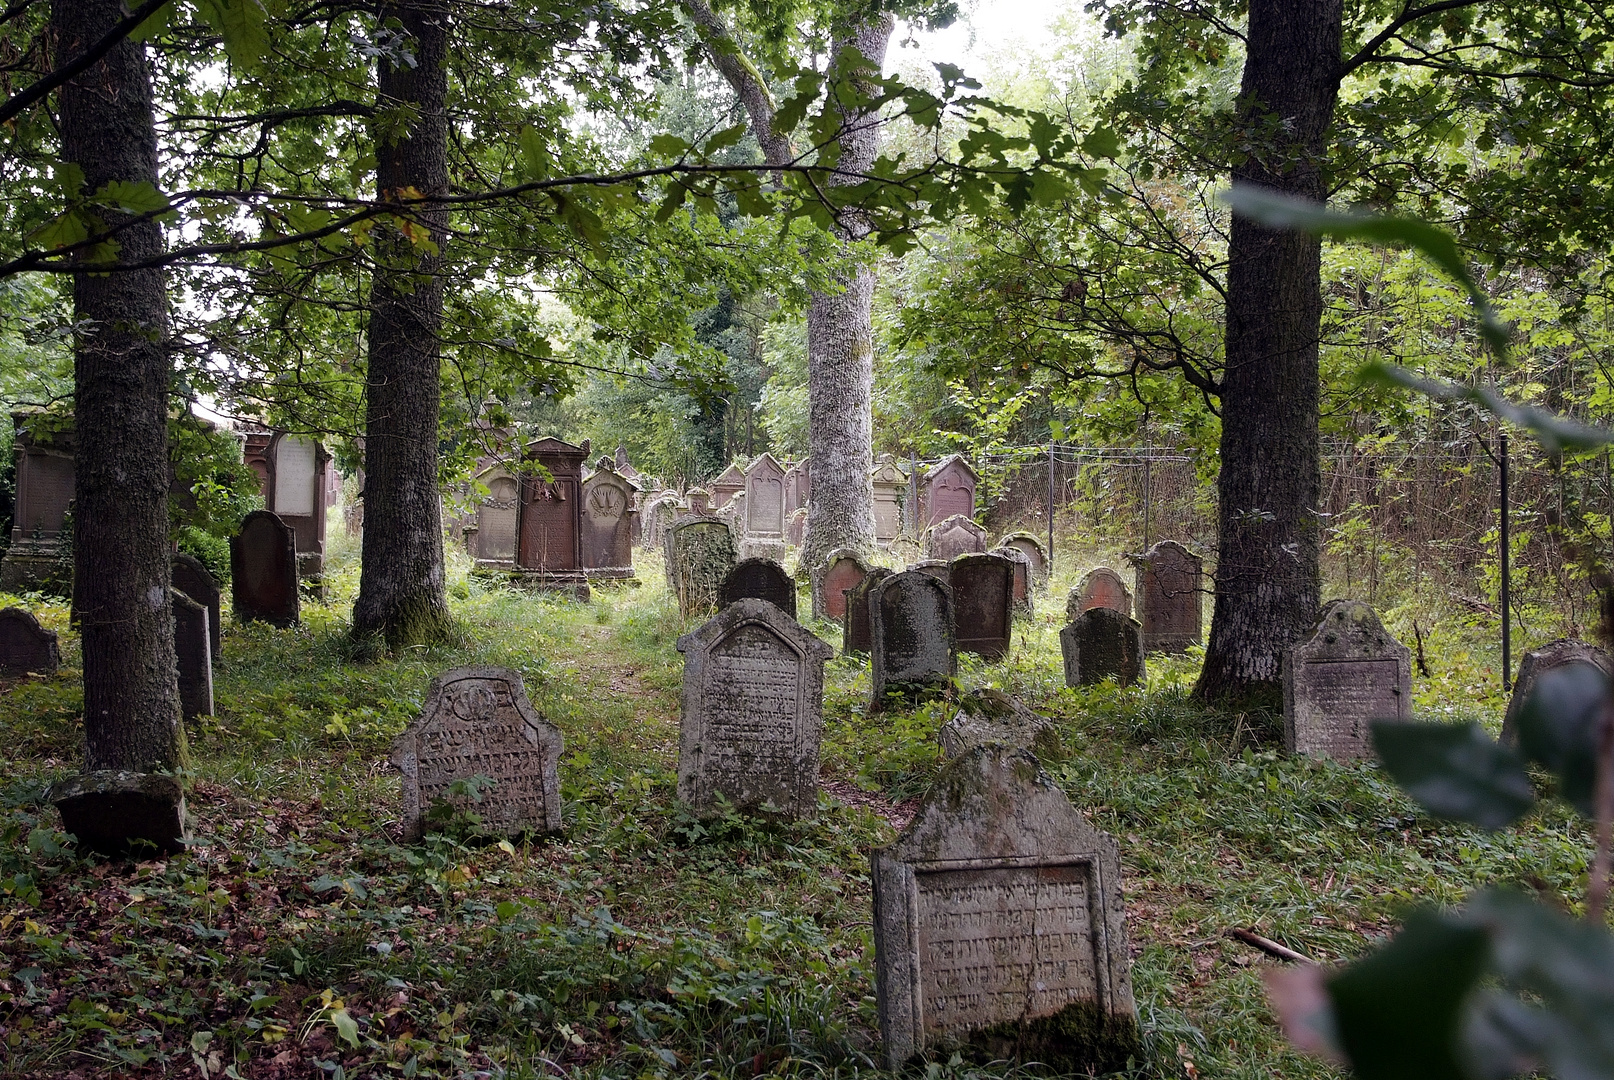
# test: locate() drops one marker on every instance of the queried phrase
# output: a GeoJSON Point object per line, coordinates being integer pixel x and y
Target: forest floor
{"type": "Point", "coordinates": [300, 938]}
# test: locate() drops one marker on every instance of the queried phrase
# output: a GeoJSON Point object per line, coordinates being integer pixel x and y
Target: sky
{"type": "Point", "coordinates": [985, 30]}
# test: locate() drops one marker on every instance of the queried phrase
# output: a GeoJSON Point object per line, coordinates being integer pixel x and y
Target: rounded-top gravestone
{"type": "Point", "coordinates": [831, 579]}
{"type": "Point", "coordinates": [700, 556]}
{"type": "Point", "coordinates": [1035, 554]}
{"type": "Point", "coordinates": [983, 604]}
{"type": "Point", "coordinates": [1564, 651]}
{"type": "Point", "coordinates": [263, 570]}
{"type": "Point", "coordinates": [25, 646]}
{"type": "Point", "coordinates": [915, 652]}
{"type": "Point", "coordinates": [958, 535]}
{"type": "Point", "coordinates": [1022, 577]}
{"type": "Point", "coordinates": [1101, 643]}
{"type": "Point", "coordinates": [855, 627]}
{"type": "Point", "coordinates": [759, 579]}
{"type": "Point", "coordinates": [1099, 588]}
{"type": "Point", "coordinates": [193, 579]}
{"type": "Point", "coordinates": [1169, 586]}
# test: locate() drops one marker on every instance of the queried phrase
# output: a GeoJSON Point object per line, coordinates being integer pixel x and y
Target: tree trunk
{"type": "Point", "coordinates": [1268, 584]}
{"type": "Point", "coordinates": [120, 374]}
{"type": "Point", "coordinates": [401, 596]}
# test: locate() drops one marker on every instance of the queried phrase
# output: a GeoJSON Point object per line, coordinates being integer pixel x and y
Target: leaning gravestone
{"type": "Point", "coordinates": [831, 579]}
{"type": "Point", "coordinates": [991, 716]}
{"type": "Point", "coordinates": [1559, 653]}
{"type": "Point", "coordinates": [1022, 577]}
{"type": "Point", "coordinates": [478, 722]}
{"type": "Point", "coordinates": [193, 579]}
{"type": "Point", "coordinates": [956, 536]}
{"type": "Point", "coordinates": [914, 651]}
{"type": "Point", "coordinates": [700, 556]}
{"type": "Point", "coordinates": [1350, 673]}
{"type": "Point", "coordinates": [263, 570]}
{"type": "Point", "coordinates": [759, 579]}
{"type": "Point", "coordinates": [1099, 588]}
{"type": "Point", "coordinates": [752, 712]}
{"type": "Point", "coordinates": [855, 625]}
{"type": "Point", "coordinates": [25, 646]}
{"type": "Point", "coordinates": [193, 651]}
{"type": "Point", "coordinates": [983, 604]}
{"type": "Point", "coordinates": [998, 924]}
{"type": "Point", "coordinates": [1102, 644]}
{"type": "Point", "coordinates": [1168, 597]}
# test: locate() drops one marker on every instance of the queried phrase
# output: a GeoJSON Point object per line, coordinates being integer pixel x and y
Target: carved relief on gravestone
{"type": "Point", "coordinates": [796, 528]}
{"type": "Point", "coordinates": [1169, 590]}
{"type": "Point", "coordinates": [494, 542]}
{"type": "Point", "coordinates": [983, 604]}
{"type": "Point", "coordinates": [949, 490]}
{"type": "Point", "coordinates": [550, 518]}
{"type": "Point", "coordinates": [1101, 643]}
{"type": "Point", "coordinates": [607, 525]}
{"type": "Point", "coordinates": [752, 712]}
{"type": "Point", "coordinates": [990, 716]}
{"type": "Point", "coordinates": [829, 581]}
{"type": "Point", "coordinates": [729, 483]}
{"type": "Point", "coordinates": [190, 577]}
{"type": "Point", "coordinates": [765, 499]}
{"type": "Point", "coordinates": [759, 579]}
{"type": "Point", "coordinates": [856, 624]}
{"type": "Point", "coordinates": [1348, 674]}
{"type": "Point", "coordinates": [890, 488]}
{"type": "Point", "coordinates": [25, 646]}
{"type": "Point", "coordinates": [194, 656]}
{"type": "Point", "coordinates": [477, 721]}
{"type": "Point", "coordinates": [956, 536]}
{"type": "Point", "coordinates": [700, 556]}
{"type": "Point", "coordinates": [43, 458]}
{"type": "Point", "coordinates": [1022, 577]}
{"type": "Point", "coordinates": [1036, 555]}
{"type": "Point", "coordinates": [1559, 653]}
{"type": "Point", "coordinates": [912, 644]}
{"type": "Point", "coordinates": [263, 570]}
{"type": "Point", "coordinates": [998, 922]}
{"type": "Point", "coordinates": [1100, 587]}
{"type": "Point", "coordinates": [700, 501]}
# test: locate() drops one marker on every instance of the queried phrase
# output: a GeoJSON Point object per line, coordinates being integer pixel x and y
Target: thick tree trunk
{"type": "Point", "coordinates": [401, 597]}
{"type": "Point", "coordinates": [120, 374]}
{"type": "Point", "coordinates": [1268, 584]}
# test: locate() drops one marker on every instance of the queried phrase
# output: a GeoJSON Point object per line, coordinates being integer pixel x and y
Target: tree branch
{"type": "Point", "coordinates": [1408, 15]}
{"type": "Point", "coordinates": [23, 99]}
{"type": "Point", "coordinates": [743, 78]}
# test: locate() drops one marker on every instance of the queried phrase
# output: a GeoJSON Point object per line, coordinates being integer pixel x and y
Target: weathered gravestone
{"type": "Point", "coordinates": [494, 542]}
{"type": "Point", "coordinates": [752, 712]}
{"type": "Point", "coordinates": [856, 624]}
{"type": "Point", "coordinates": [192, 578]}
{"type": "Point", "coordinates": [991, 716]}
{"type": "Point", "coordinates": [765, 499]}
{"type": "Point", "coordinates": [728, 484]}
{"type": "Point", "coordinates": [956, 536]}
{"type": "Point", "coordinates": [796, 487]}
{"type": "Point", "coordinates": [700, 501]}
{"type": "Point", "coordinates": [25, 646]}
{"type": "Point", "coordinates": [1036, 555]}
{"type": "Point", "coordinates": [607, 525]}
{"type": "Point", "coordinates": [700, 556]}
{"type": "Point", "coordinates": [890, 494]}
{"type": "Point", "coordinates": [940, 569]}
{"type": "Point", "coordinates": [759, 579]}
{"type": "Point", "coordinates": [1099, 588]}
{"type": "Point", "coordinates": [1021, 566]}
{"type": "Point", "coordinates": [263, 570]}
{"type": "Point", "coordinates": [1102, 644]}
{"type": "Point", "coordinates": [949, 489]}
{"type": "Point", "coordinates": [1564, 651]}
{"type": "Point", "coordinates": [549, 521]}
{"type": "Point", "coordinates": [43, 474]}
{"type": "Point", "coordinates": [478, 722]}
{"type": "Point", "coordinates": [998, 924]}
{"type": "Point", "coordinates": [914, 652]}
{"type": "Point", "coordinates": [194, 653]}
{"type": "Point", "coordinates": [796, 528]}
{"type": "Point", "coordinates": [1168, 597]}
{"type": "Point", "coordinates": [983, 604]}
{"type": "Point", "coordinates": [1348, 674]}
{"type": "Point", "coordinates": [658, 516]}
{"type": "Point", "coordinates": [830, 580]}
{"type": "Point", "coordinates": [117, 812]}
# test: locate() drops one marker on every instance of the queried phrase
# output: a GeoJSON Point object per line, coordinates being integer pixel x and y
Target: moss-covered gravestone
{"type": "Point", "coordinates": [1101, 643]}
{"type": "Point", "coordinates": [700, 557]}
{"type": "Point", "coordinates": [914, 652]}
{"type": "Point", "coordinates": [999, 926]}
{"type": "Point", "coordinates": [990, 716]}
{"type": "Point", "coordinates": [1350, 673]}
{"type": "Point", "coordinates": [1560, 653]}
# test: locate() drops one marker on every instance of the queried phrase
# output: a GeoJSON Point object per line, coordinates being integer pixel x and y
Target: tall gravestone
{"type": "Point", "coordinates": [190, 577]}
{"type": "Point", "coordinates": [42, 445]}
{"type": "Point", "coordinates": [1348, 674]}
{"type": "Point", "coordinates": [1036, 555]}
{"type": "Point", "coordinates": [194, 654]}
{"type": "Point", "coordinates": [856, 624]}
{"type": "Point", "coordinates": [729, 483]}
{"type": "Point", "coordinates": [1099, 588]}
{"type": "Point", "coordinates": [1169, 586]}
{"type": "Point", "coordinates": [1022, 577]}
{"type": "Point", "coordinates": [914, 653]}
{"type": "Point", "coordinates": [700, 557]}
{"type": "Point", "coordinates": [25, 646]}
{"type": "Point", "coordinates": [829, 581]}
{"type": "Point", "coordinates": [607, 525]}
{"type": "Point", "coordinates": [999, 924]}
{"type": "Point", "coordinates": [956, 536]}
{"type": "Point", "coordinates": [752, 712]}
{"type": "Point", "coordinates": [765, 499]}
{"type": "Point", "coordinates": [493, 544]}
{"type": "Point", "coordinates": [263, 570]}
{"type": "Point", "coordinates": [1102, 644]}
{"type": "Point", "coordinates": [983, 604]}
{"type": "Point", "coordinates": [795, 489]}
{"type": "Point", "coordinates": [890, 494]}
{"type": "Point", "coordinates": [948, 491]}
{"type": "Point", "coordinates": [1564, 651]}
{"type": "Point", "coordinates": [549, 525]}
{"type": "Point", "coordinates": [477, 721]}
{"type": "Point", "coordinates": [297, 495]}
{"type": "Point", "coordinates": [759, 579]}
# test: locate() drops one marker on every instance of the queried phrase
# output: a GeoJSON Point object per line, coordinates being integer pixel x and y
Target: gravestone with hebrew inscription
{"type": "Point", "coordinates": [759, 579]}
{"type": "Point", "coordinates": [999, 924]}
{"type": "Point", "coordinates": [914, 653]}
{"type": "Point", "coordinates": [1036, 555]}
{"type": "Point", "coordinates": [765, 499]}
{"type": "Point", "coordinates": [606, 531]}
{"type": "Point", "coordinates": [1102, 644]}
{"type": "Point", "coordinates": [1099, 588]}
{"type": "Point", "coordinates": [699, 558]}
{"type": "Point", "coordinates": [194, 654]}
{"type": "Point", "coordinates": [1022, 577]}
{"type": "Point", "coordinates": [991, 716]}
{"type": "Point", "coordinates": [948, 490]}
{"type": "Point", "coordinates": [25, 646]}
{"type": "Point", "coordinates": [190, 577]}
{"type": "Point", "coordinates": [890, 495]}
{"type": "Point", "coordinates": [1170, 583]}
{"type": "Point", "coordinates": [263, 570]}
{"type": "Point", "coordinates": [1560, 653]}
{"type": "Point", "coordinates": [856, 624]}
{"type": "Point", "coordinates": [956, 536]}
{"type": "Point", "coordinates": [477, 722]}
{"type": "Point", "coordinates": [752, 713]}
{"type": "Point", "coordinates": [829, 581]}
{"type": "Point", "coordinates": [1349, 673]}
{"type": "Point", "coordinates": [983, 604]}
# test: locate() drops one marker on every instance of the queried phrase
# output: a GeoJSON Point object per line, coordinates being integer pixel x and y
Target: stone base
{"type": "Point", "coordinates": [752, 547]}
{"type": "Point", "coordinates": [614, 577]}
{"type": "Point", "coordinates": [120, 813]}
{"type": "Point", "coordinates": [26, 571]}
{"type": "Point", "coordinates": [569, 582]}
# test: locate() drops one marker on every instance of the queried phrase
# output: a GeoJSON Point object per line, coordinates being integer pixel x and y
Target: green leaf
{"type": "Point", "coordinates": [243, 24]}
{"type": "Point", "coordinates": [154, 24]}
{"type": "Point", "coordinates": [61, 231]}
{"type": "Point", "coordinates": [723, 139]}
{"type": "Point", "coordinates": [346, 1026]}
{"type": "Point", "coordinates": [1102, 143]}
{"type": "Point", "coordinates": [1553, 431]}
{"type": "Point", "coordinates": [668, 146]}
{"type": "Point", "coordinates": [131, 196]}
{"type": "Point", "coordinates": [1559, 724]}
{"type": "Point", "coordinates": [1456, 772]}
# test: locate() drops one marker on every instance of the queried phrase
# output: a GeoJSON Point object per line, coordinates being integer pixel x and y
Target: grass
{"type": "Point", "coordinates": [299, 939]}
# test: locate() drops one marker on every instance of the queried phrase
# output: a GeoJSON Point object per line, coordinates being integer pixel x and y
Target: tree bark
{"type": "Point", "coordinates": [121, 375]}
{"type": "Point", "coordinates": [401, 590]}
{"type": "Point", "coordinates": [1268, 583]}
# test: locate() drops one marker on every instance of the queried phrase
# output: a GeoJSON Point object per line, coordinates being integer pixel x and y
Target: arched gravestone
{"type": "Point", "coordinates": [297, 496]}
{"type": "Point", "coordinates": [983, 604]}
{"type": "Point", "coordinates": [830, 580]}
{"type": "Point", "coordinates": [25, 646]}
{"type": "Point", "coordinates": [1099, 588]}
{"type": "Point", "coordinates": [1553, 655]}
{"type": "Point", "coordinates": [940, 569]}
{"type": "Point", "coordinates": [1102, 644]}
{"type": "Point", "coordinates": [700, 556]}
{"type": "Point", "coordinates": [914, 652]}
{"type": "Point", "coordinates": [478, 722]}
{"type": "Point", "coordinates": [1169, 586]}
{"type": "Point", "coordinates": [607, 525]}
{"type": "Point", "coordinates": [550, 519]}
{"type": "Point", "coordinates": [759, 579]}
{"type": "Point", "coordinates": [796, 487]}
{"type": "Point", "coordinates": [956, 536]}
{"type": "Point", "coordinates": [190, 577]}
{"type": "Point", "coordinates": [765, 499]}
{"type": "Point", "coordinates": [494, 542]}
{"type": "Point", "coordinates": [1036, 555]}
{"type": "Point", "coordinates": [856, 624]}
{"type": "Point", "coordinates": [890, 487]}
{"type": "Point", "coordinates": [1022, 577]}
{"type": "Point", "coordinates": [949, 490]}
{"type": "Point", "coordinates": [194, 655]}
{"type": "Point", "coordinates": [752, 714]}
{"type": "Point", "coordinates": [263, 570]}
{"type": "Point", "coordinates": [1348, 674]}
{"type": "Point", "coordinates": [729, 483]}
{"type": "Point", "coordinates": [999, 923]}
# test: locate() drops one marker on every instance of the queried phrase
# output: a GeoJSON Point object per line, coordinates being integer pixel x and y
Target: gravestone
{"type": "Point", "coordinates": [297, 496]}
{"type": "Point", "coordinates": [263, 570]}
{"type": "Point", "coordinates": [658, 516]}
{"type": "Point", "coordinates": [856, 625]}
{"type": "Point", "coordinates": [752, 712]}
{"type": "Point", "coordinates": [700, 556]}
{"type": "Point", "coordinates": [991, 716]}
{"type": "Point", "coordinates": [983, 604]}
{"type": "Point", "coordinates": [1022, 577]}
{"type": "Point", "coordinates": [192, 578]}
{"type": "Point", "coordinates": [607, 525]}
{"type": "Point", "coordinates": [914, 652]}
{"type": "Point", "coordinates": [549, 526]}
{"type": "Point", "coordinates": [42, 446]}
{"type": "Point", "coordinates": [759, 579]}
{"type": "Point", "coordinates": [1036, 555]}
{"type": "Point", "coordinates": [1169, 586]}
{"type": "Point", "coordinates": [1101, 643]}
{"type": "Point", "coordinates": [1348, 674]}
{"type": "Point", "coordinates": [1099, 588]}
{"type": "Point", "coordinates": [796, 487]}
{"type": "Point", "coordinates": [193, 651]}
{"type": "Point", "coordinates": [1556, 654]}
{"type": "Point", "coordinates": [999, 923]}
{"type": "Point", "coordinates": [829, 581]}
{"type": "Point", "coordinates": [25, 646]}
{"type": "Point", "coordinates": [906, 550]}
{"type": "Point", "coordinates": [949, 490]}
{"type": "Point", "coordinates": [890, 488]}
{"type": "Point", "coordinates": [700, 501]}
{"type": "Point", "coordinates": [796, 528]}
{"type": "Point", "coordinates": [117, 813]}
{"type": "Point", "coordinates": [494, 542]}
{"type": "Point", "coordinates": [729, 483]}
{"type": "Point", "coordinates": [956, 536]}
{"type": "Point", "coordinates": [477, 721]}
{"type": "Point", "coordinates": [940, 569]}
{"type": "Point", "coordinates": [765, 499]}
